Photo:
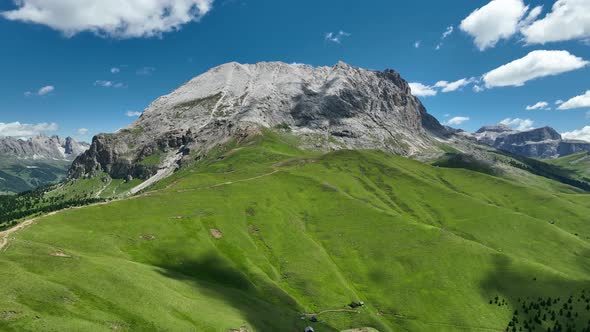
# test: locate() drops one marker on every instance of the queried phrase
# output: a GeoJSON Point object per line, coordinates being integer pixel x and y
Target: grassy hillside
{"type": "Point", "coordinates": [25, 175]}
{"type": "Point", "coordinates": [578, 163]}
{"type": "Point", "coordinates": [260, 234]}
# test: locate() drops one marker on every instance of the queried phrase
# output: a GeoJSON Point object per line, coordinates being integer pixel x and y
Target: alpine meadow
{"type": "Point", "coordinates": [285, 196]}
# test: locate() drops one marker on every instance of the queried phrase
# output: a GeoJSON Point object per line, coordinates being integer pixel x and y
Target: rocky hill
{"type": "Point", "coordinates": [36, 161]}
{"type": "Point", "coordinates": [544, 142]}
{"type": "Point", "coordinates": [328, 108]}
{"type": "Point", "coordinates": [41, 148]}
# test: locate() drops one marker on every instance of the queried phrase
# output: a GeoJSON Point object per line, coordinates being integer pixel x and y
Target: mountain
{"type": "Point", "coordinates": [545, 143]}
{"type": "Point", "coordinates": [36, 161]}
{"type": "Point", "coordinates": [577, 163]}
{"type": "Point", "coordinates": [328, 108]}
{"type": "Point", "coordinates": [260, 235]}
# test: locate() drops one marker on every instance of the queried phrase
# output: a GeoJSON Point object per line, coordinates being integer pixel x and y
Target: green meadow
{"type": "Point", "coordinates": [262, 236]}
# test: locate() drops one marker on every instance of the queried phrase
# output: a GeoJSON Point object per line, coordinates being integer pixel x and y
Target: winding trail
{"type": "Point", "coordinates": [4, 235]}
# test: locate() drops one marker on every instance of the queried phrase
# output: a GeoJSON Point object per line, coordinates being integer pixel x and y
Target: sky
{"type": "Point", "coordinates": [81, 67]}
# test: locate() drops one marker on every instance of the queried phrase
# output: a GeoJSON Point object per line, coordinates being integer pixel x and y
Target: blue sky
{"type": "Point", "coordinates": [96, 69]}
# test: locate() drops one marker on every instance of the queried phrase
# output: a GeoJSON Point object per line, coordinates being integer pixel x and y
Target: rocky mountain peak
{"type": "Point", "coordinates": [543, 142]}
{"type": "Point", "coordinates": [326, 107]}
{"type": "Point", "coordinates": [41, 147]}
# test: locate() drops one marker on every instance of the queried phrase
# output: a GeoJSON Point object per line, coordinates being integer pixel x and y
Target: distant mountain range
{"type": "Point", "coordinates": [544, 143]}
{"type": "Point", "coordinates": [28, 163]}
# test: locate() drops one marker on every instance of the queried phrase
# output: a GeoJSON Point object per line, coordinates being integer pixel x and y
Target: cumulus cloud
{"type": "Point", "coordinates": [41, 92]}
{"type": "Point", "coordinates": [568, 19]}
{"type": "Point", "coordinates": [115, 70]}
{"type": "Point", "coordinates": [23, 129]}
{"type": "Point", "coordinates": [518, 123]}
{"type": "Point", "coordinates": [453, 86]}
{"type": "Point", "coordinates": [497, 20]}
{"type": "Point", "coordinates": [576, 102]}
{"type": "Point", "coordinates": [110, 18]}
{"type": "Point", "coordinates": [82, 131]}
{"type": "Point", "coordinates": [534, 65]}
{"type": "Point", "coordinates": [109, 84]}
{"type": "Point", "coordinates": [559, 102]}
{"type": "Point", "coordinates": [421, 90]}
{"type": "Point", "coordinates": [542, 105]}
{"type": "Point", "coordinates": [133, 114]}
{"type": "Point", "coordinates": [336, 37]}
{"type": "Point", "coordinates": [457, 120]}
{"type": "Point", "coordinates": [581, 134]}
{"type": "Point", "coordinates": [417, 44]}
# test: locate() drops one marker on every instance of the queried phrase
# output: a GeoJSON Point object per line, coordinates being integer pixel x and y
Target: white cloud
{"type": "Point", "coordinates": [518, 123]}
{"type": "Point", "coordinates": [568, 19]}
{"type": "Point", "coordinates": [531, 17]}
{"type": "Point", "coordinates": [336, 37]}
{"type": "Point", "coordinates": [45, 90]}
{"type": "Point", "coordinates": [82, 131]}
{"type": "Point", "coordinates": [453, 86]}
{"type": "Point", "coordinates": [23, 129]}
{"type": "Point", "coordinates": [421, 90]}
{"type": "Point", "coordinates": [146, 71]}
{"type": "Point", "coordinates": [581, 134]}
{"type": "Point", "coordinates": [41, 92]}
{"type": "Point", "coordinates": [576, 102]}
{"type": "Point", "coordinates": [109, 84]}
{"type": "Point", "coordinates": [448, 32]}
{"type": "Point", "coordinates": [534, 65]}
{"type": "Point", "coordinates": [133, 114]}
{"type": "Point", "coordinates": [542, 105]}
{"type": "Point", "coordinates": [417, 44]}
{"type": "Point", "coordinates": [478, 88]}
{"type": "Point", "coordinates": [559, 102]}
{"type": "Point", "coordinates": [457, 120]}
{"type": "Point", "coordinates": [111, 18]}
{"type": "Point", "coordinates": [115, 70]}
{"type": "Point", "coordinates": [497, 20]}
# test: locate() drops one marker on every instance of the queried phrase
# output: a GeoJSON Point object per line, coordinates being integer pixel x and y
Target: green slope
{"type": "Point", "coordinates": [262, 232]}
{"type": "Point", "coordinates": [23, 175]}
{"type": "Point", "coordinates": [578, 164]}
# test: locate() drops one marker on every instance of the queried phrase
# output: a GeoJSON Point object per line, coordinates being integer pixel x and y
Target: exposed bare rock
{"type": "Point", "coordinates": [327, 107]}
{"type": "Point", "coordinates": [543, 142]}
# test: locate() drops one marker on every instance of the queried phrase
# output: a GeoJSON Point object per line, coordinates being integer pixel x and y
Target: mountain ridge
{"type": "Point", "coordinates": [27, 163]}
{"type": "Point", "coordinates": [329, 108]}
{"type": "Point", "coordinates": [544, 142]}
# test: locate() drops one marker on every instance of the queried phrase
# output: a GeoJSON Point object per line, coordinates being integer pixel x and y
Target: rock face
{"type": "Point", "coordinates": [536, 143]}
{"type": "Point", "coordinates": [29, 163]}
{"type": "Point", "coordinates": [41, 148]}
{"type": "Point", "coordinates": [327, 107]}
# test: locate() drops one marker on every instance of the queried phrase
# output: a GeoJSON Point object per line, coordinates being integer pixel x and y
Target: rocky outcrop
{"type": "Point", "coordinates": [326, 107]}
{"type": "Point", "coordinates": [543, 142]}
{"type": "Point", "coordinates": [41, 148]}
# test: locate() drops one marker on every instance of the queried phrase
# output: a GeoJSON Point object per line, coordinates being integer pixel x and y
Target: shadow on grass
{"type": "Point", "coordinates": [537, 300]}
{"type": "Point", "coordinates": [265, 306]}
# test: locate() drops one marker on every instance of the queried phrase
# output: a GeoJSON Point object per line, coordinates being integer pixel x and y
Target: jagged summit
{"type": "Point", "coordinates": [41, 147]}
{"type": "Point", "coordinates": [543, 142]}
{"type": "Point", "coordinates": [327, 107]}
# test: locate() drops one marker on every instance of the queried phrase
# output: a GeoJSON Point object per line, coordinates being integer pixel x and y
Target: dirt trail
{"type": "Point", "coordinates": [4, 235]}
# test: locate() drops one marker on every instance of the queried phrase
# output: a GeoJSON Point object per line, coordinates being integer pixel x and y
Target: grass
{"type": "Point", "coordinates": [578, 163]}
{"type": "Point", "coordinates": [426, 248]}
{"type": "Point", "coordinates": [24, 175]}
